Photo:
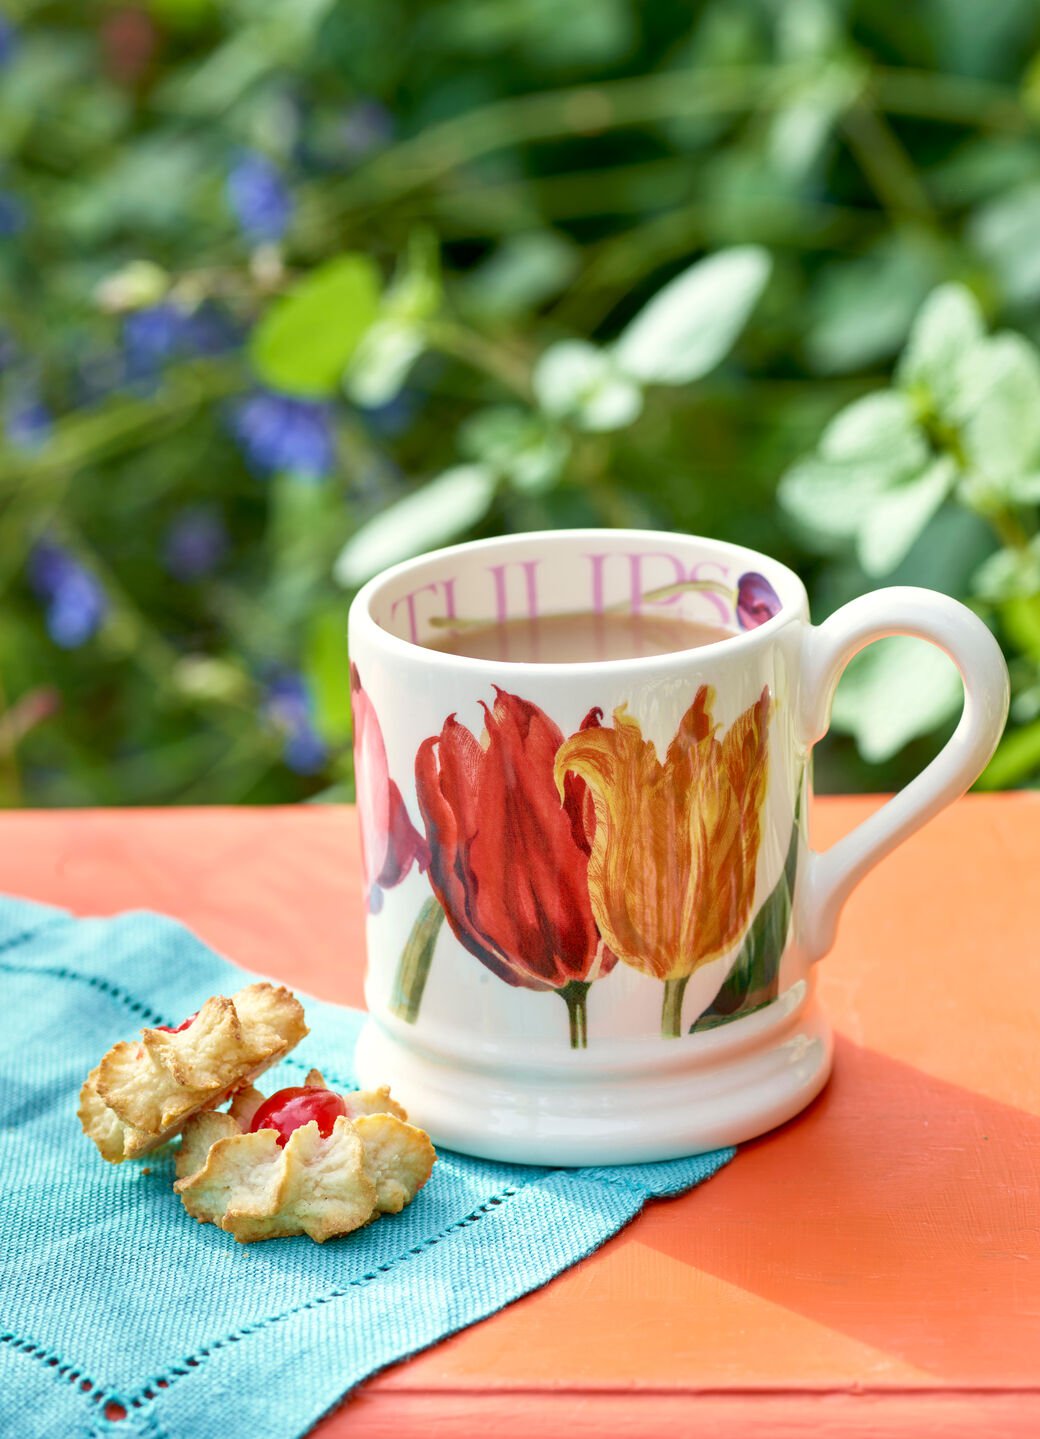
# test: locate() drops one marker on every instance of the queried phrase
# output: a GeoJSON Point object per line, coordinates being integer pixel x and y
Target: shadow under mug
{"type": "Point", "coordinates": [593, 911]}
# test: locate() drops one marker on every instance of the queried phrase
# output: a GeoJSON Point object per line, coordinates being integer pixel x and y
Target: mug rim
{"type": "Point", "coordinates": [796, 607]}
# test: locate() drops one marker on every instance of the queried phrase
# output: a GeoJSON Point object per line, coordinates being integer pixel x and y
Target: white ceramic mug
{"type": "Point", "coordinates": [593, 910]}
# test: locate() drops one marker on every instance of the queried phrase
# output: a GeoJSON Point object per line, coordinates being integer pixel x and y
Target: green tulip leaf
{"type": "Point", "coordinates": [302, 344]}
{"type": "Point", "coordinates": [414, 965]}
{"type": "Point", "coordinates": [754, 979]}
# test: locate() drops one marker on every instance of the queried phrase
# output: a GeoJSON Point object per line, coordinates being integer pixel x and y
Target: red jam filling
{"type": "Point", "coordinates": [289, 1108]}
{"type": "Point", "coordinates": [176, 1029]}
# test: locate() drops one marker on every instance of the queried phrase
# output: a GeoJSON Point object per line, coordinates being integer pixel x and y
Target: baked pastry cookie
{"type": "Point", "coordinates": [144, 1091]}
{"type": "Point", "coordinates": [307, 1160]}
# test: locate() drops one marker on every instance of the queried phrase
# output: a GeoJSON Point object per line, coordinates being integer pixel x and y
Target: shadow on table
{"type": "Point", "coordinates": [899, 1209]}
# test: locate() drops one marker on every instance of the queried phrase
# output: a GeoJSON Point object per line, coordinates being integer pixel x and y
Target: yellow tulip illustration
{"type": "Point", "coordinates": [672, 866]}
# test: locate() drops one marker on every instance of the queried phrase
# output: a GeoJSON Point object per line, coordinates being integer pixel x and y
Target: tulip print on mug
{"type": "Point", "coordinates": [593, 908]}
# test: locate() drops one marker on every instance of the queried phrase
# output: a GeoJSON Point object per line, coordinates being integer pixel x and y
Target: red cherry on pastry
{"type": "Point", "coordinates": [171, 1029]}
{"type": "Point", "coordinates": [287, 1109]}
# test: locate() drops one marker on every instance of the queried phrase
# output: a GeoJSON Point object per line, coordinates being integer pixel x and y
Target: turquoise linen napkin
{"type": "Point", "coordinates": [111, 1294]}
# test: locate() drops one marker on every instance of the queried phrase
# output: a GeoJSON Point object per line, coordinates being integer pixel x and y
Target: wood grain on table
{"type": "Point", "coordinates": [873, 1268]}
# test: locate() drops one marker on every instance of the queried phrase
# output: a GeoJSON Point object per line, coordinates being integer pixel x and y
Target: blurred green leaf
{"type": "Point", "coordinates": [577, 381]}
{"type": "Point", "coordinates": [998, 406]}
{"type": "Point", "coordinates": [390, 347]}
{"type": "Point", "coordinates": [523, 272]}
{"type": "Point", "coordinates": [693, 323]}
{"type": "Point", "coordinates": [380, 365]}
{"type": "Point", "coordinates": [860, 310]}
{"type": "Point", "coordinates": [829, 502]}
{"type": "Point", "coordinates": [894, 691]}
{"type": "Point", "coordinates": [1016, 759]}
{"type": "Point", "coordinates": [304, 340]}
{"type": "Point", "coordinates": [267, 36]}
{"type": "Point", "coordinates": [974, 39]}
{"type": "Point", "coordinates": [879, 430]}
{"type": "Point", "coordinates": [1020, 617]}
{"type": "Point", "coordinates": [516, 444]}
{"type": "Point", "coordinates": [1024, 489]}
{"type": "Point", "coordinates": [947, 329]}
{"type": "Point", "coordinates": [1010, 574]}
{"type": "Point", "coordinates": [429, 517]}
{"type": "Point", "coordinates": [326, 665]}
{"type": "Point", "coordinates": [871, 456]}
{"type": "Point", "coordinates": [894, 521]}
{"type": "Point", "coordinates": [584, 32]}
{"type": "Point", "coordinates": [416, 291]}
{"type": "Point", "coordinates": [1004, 232]}
{"type": "Point", "coordinates": [305, 523]}
{"type": "Point", "coordinates": [802, 128]}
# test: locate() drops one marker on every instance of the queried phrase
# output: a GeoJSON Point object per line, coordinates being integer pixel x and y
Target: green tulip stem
{"type": "Point", "coordinates": [671, 1009]}
{"type": "Point", "coordinates": [689, 587]}
{"type": "Point", "coordinates": [414, 965]}
{"type": "Point", "coordinates": [575, 996]}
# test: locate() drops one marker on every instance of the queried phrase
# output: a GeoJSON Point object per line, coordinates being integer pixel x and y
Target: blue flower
{"type": "Point", "coordinates": [27, 424]}
{"type": "Point", "coordinates": [151, 337]}
{"type": "Point", "coordinates": [195, 543]}
{"type": "Point", "coordinates": [209, 330]}
{"type": "Point", "coordinates": [259, 197]}
{"type": "Point", "coordinates": [288, 707]}
{"type": "Point", "coordinates": [159, 333]}
{"type": "Point", "coordinates": [12, 214]}
{"type": "Point", "coordinates": [277, 432]}
{"type": "Point", "coordinates": [8, 40]}
{"type": "Point", "coordinates": [74, 602]}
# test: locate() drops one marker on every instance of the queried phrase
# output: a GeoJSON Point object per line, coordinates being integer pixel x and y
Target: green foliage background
{"type": "Point", "coordinates": [472, 184]}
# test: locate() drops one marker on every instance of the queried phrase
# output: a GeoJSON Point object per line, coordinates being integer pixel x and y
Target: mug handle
{"type": "Point", "coordinates": [830, 876]}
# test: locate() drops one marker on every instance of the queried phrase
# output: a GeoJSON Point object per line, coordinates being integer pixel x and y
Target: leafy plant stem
{"type": "Point", "coordinates": [644, 99]}
{"type": "Point", "coordinates": [482, 354]}
{"type": "Point", "coordinates": [885, 164]}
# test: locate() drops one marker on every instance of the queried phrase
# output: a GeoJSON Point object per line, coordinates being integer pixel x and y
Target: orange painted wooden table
{"type": "Point", "coordinates": [873, 1268]}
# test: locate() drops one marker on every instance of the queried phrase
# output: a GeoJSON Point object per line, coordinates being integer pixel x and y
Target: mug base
{"type": "Point", "coordinates": [756, 1073]}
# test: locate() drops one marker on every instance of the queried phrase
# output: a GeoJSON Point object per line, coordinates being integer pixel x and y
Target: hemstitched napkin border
{"type": "Point", "coordinates": [275, 1374]}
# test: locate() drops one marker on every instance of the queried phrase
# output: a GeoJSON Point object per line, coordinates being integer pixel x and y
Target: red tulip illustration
{"type": "Point", "coordinates": [390, 843]}
{"type": "Point", "coordinates": [508, 860]}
